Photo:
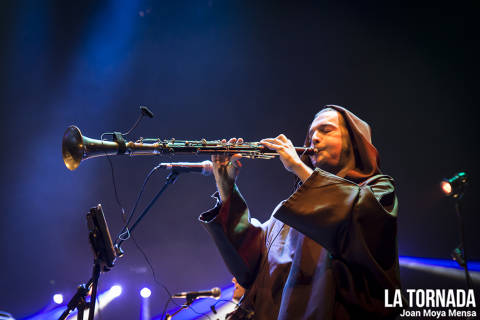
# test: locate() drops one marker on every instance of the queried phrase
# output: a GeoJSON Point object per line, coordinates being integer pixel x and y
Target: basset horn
{"type": "Point", "coordinates": [76, 147]}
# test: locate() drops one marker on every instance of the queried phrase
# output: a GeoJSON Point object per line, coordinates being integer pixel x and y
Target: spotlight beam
{"type": "Point", "coordinates": [440, 267]}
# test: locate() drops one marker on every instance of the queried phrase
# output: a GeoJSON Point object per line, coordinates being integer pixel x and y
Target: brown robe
{"type": "Point", "coordinates": [328, 252]}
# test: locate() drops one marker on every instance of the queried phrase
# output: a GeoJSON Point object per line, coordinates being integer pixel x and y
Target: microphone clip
{"type": "Point", "coordinates": [122, 144]}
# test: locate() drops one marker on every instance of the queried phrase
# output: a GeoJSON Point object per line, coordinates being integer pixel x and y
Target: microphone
{"type": "Point", "coordinates": [192, 295]}
{"type": "Point", "coordinates": [204, 167]}
{"type": "Point", "coordinates": [146, 111]}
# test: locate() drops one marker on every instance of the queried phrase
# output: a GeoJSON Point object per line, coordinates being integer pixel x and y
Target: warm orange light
{"type": "Point", "coordinates": [446, 187]}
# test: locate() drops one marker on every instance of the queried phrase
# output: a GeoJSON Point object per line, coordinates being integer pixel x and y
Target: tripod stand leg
{"type": "Point", "coordinates": [77, 301]}
{"type": "Point", "coordinates": [93, 297]}
{"type": "Point", "coordinates": [80, 314]}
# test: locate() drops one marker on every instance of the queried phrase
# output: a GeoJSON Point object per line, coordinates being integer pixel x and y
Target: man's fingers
{"type": "Point", "coordinates": [270, 145]}
{"type": "Point", "coordinates": [236, 157]}
{"type": "Point", "coordinates": [217, 157]}
{"type": "Point", "coordinates": [235, 141]}
{"type": "Point", "coordinates": [225, 159]}
{"type": "Point", "coordinates": [220, 159]}
{"type": "Point", "coordinates": [282, 138]}
{"type": "Point", "coordinates": [271, 140]}
{"type": "Point", "coordinates": [234, 160]}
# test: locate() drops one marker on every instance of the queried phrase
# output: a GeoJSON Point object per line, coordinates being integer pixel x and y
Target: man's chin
{"type": "Point", "coordinates": [318, 163]}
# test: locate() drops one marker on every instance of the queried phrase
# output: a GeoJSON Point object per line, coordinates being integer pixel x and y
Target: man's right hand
{"type": "Point", "coordinates": [226, 169]}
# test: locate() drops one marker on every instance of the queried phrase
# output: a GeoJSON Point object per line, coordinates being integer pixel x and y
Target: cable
{"type": "Point", "coordinates": [131, 215]}
{"type": "Point", "coordinates": [165, 307]}
{"type": "Point", "coordinates": [129, 235]}
{"type": "Point", "coordinates": [125, 233]}
{"type": "Point", "coordinates": [154, 275]}
{"type": "Point", "coordinates": [125, 229]}
{"type": "Point", "coordinates": [144, 112]}
{"type": "Point", "coordinates": [117, 198]}
{"type": "Point", "coordinates": [150, 265]}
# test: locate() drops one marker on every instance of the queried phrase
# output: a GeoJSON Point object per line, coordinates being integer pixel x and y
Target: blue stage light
{"type": "Point", "coordinates": [145, 293]}
{"type": "Point", "coordinates": [116, 290]}
{"type": "Point", "coordinates": [444, 263]}
{"type": "Point", "coordinates": [104, 299]}
{"type": "Point", "coordinates": [58, 298]}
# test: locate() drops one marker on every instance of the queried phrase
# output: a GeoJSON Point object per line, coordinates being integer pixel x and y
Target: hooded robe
{"type": "Point", "coordinates": [327, 252]}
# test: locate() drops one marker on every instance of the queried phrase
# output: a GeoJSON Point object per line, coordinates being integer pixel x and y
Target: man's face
{"type": "Point", "coordinates": [326, 134]}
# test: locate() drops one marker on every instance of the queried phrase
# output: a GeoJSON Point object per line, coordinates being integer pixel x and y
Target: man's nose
{"type": "Point", "coordinates": [316, 138]}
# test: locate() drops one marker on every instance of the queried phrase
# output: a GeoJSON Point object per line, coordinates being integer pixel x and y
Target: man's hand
{"type": "Point", "coordinates": [226, 169]}
{"type": "Point", "coordinates": [288, 155]}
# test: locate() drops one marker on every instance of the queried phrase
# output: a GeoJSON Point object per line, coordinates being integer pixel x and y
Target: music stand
{"type": "Point", "coordinates": [104, 259]}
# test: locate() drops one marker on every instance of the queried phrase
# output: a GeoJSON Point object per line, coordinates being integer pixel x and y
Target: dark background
{"type": "Point", "coordinates": [215, 69]}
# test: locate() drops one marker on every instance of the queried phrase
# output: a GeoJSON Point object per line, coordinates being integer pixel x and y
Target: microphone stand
{"type": "Point", "coordinates": [184, 306]}
{"type": "Point", "coordinates": [459, 254]}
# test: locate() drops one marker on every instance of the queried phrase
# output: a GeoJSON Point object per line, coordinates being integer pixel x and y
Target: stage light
{"type": "Point", "coordinates": [116, 290]}
{"type": "Point", "coordinates": [104, 298]}
{"type": "Point", "coordinates": [455, 186]}
{"type": "Point", "coordinates": [446, 187]}
{"type": "Point", "coordinates": [204, 306]}
{"type": "Point", "coordinates": [442, 267]}
{"type": "Point", "coordinates": [58, 298]}
{"type": "Point", "coordinates": [145, 293]}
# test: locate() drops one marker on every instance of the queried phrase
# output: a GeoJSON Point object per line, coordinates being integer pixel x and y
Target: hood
{"type": "Point", "coordinates": [366, 155]}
